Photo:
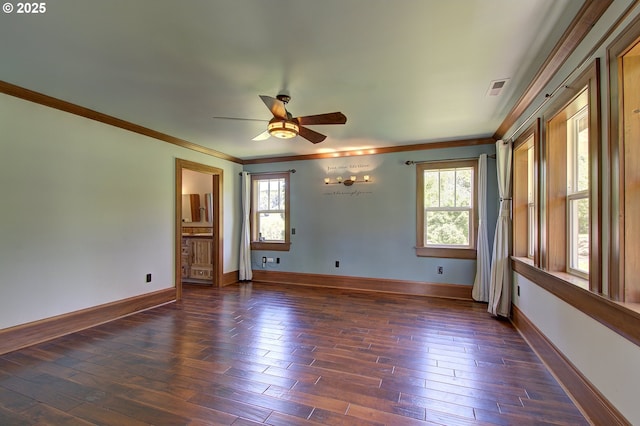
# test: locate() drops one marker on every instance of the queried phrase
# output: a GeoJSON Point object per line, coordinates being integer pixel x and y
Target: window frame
{"type": "Point", "coordinates": [526, 224]}
{"type": "Point", "coordinates": [531, 201]}
{"type": "Point", "coordinates": [256, 244]}
{"type": "Point", "coordinates": [574, 193]}
{"type": "Point", "coordinates": [605, 305]}
{"type": "Point", "coordinates": [464, 252]}
{"type": "Point", "coordinates": [554, 221]}
{"type": "Point", "coordinates": [624, 251]}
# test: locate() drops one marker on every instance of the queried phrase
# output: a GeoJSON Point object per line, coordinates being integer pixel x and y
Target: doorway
{"type": "Point", "coordinates": [195, 215]}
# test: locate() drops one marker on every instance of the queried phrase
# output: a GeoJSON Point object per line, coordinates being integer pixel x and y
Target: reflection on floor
{"type": "Point", "coordinates": [285, 355]}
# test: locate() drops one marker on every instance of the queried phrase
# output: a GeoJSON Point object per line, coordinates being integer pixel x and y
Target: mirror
{"type": "Point", "coordinates": [192, 209]}
{"type": "Point", "coordinates": [208, 204]}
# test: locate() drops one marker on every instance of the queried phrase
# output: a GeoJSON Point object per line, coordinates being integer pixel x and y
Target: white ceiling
{"type": "Point", "coordinates": [403, 71]}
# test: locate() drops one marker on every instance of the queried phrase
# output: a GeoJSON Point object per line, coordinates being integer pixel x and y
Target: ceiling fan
{"type": "Point", "coordinates": [284, 126]}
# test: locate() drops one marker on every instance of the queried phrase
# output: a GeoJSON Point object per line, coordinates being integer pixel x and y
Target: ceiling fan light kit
{"type": "Point", "coordinates": [283, 125]}
{"type": "Point", "coordinates": [283, 129]}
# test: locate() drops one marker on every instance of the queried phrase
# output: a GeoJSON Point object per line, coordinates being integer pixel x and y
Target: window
{"type": "Point", "coordinates": [525, 193]}
{"type": "Point", "coordinates": [531, 205]}
{"type": "Point", "coordinates": [578, 193]}
{"type": "Point", "coordinates": [570, 232]}
{"type": "Point", "coordinates": [270, 211]}
{"type": "Point", "coordinates": [446, 214]}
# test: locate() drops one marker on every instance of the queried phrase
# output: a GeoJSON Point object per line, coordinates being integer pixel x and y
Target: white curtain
{"type": "Point", "coordinates": [500, 287]}
{"type": "Point", "coordinates": [480, 290]}
{"type": "Point", "coordinates": [245, 272]}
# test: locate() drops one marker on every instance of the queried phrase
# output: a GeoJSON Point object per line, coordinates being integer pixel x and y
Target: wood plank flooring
{"type": "Point", "coordinates": [285, 355]}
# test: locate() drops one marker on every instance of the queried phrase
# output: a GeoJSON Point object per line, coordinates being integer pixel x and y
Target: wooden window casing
{"type": "Point", "coordinates": [624, 139]}
{"type": "Point", "coordinates": [616, 305]}
{"type": "Point", "coordinates": [258, 243]}
{"type": "Point", "coordinates": [554, 253]}
{"type": "Point", "coordinates": [525, 195]}
{"type": "Point", "coordinates": [446, 251]}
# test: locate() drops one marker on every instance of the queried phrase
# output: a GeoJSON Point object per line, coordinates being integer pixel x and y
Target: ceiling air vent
{"type": "Point", "coordinates": [496, 87]}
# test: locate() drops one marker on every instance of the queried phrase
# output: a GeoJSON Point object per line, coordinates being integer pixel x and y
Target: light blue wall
{"type": "Point", "coordinates": [370, 228]}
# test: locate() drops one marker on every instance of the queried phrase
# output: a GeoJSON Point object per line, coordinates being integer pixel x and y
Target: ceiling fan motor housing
{"type": "Point", "coordinates": [283, 98]}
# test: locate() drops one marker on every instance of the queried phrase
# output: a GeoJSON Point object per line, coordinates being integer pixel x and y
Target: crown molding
{"type": "Point", "coordinates": [374, 151]}
{"type": "Point", "coordinates": [586, 18]}
{"type": "Point", "coordinates": [51, 102]}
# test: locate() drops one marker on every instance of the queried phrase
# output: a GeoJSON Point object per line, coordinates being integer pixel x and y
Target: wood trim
{"type": "Point", "coordinates": [466, 252]}
{"type": "Point", "coordinates": [520, 225]}
{"type": "Point", "coordinates": [51, 102]}
{"type": "Point", "coordinates": [260, 245]}
{"type": "Point", "coordinates": [24, 335]}
{"type": "Point", "coordinates": [256, 244]}
{"type": "Point", "coordinates": [447, 253]}
{"type": "Point", "coordinates": [589, 400]}
{"type": "Point", "coordinates": [216, 226]}
{"type": "Point", "coordinates": [618, 151]}
{"type": "Point", "coordinates": [553, 184]}
{"type": "Point", "coordinates": [556, 191]}
{"type": "Point", "coordinates": [595, 175]}
{"type": "Point", "coordinates": [586, 18]}
{"type": "Point", "coordinates": [416, 288]}
{"type": "Point", "coordinates": [375, 151]}
{"type": "Point", "coordinates": [229, 278]}
{"type": "Point", "coordinates": [520, 185]}
{"type": "Point", "coordinates": [623, 319]}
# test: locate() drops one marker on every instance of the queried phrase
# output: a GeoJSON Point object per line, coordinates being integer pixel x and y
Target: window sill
{"type": "Point", "coordinates": [258, 245]}
{"type": "Point", "coordinates": [622, 318]}
{"type": "Point", "coordinates": [451, 253]}
{"type": "Point", "coordinates": [562, 276]}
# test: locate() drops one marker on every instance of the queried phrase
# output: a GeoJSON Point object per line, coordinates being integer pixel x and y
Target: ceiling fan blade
{"type": "Point", "coordinates": [262, 136]}
{"type": "Point", "coordinates": [275, 106]}
{"type": "Point", "coordinates": [329, 118]}
{"type": "Point", "coordinates": [241, 119]}
{"type": "Point", "coordinates": [311, 135]}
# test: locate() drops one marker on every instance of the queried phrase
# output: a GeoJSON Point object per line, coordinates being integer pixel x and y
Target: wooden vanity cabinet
{"type": "Point", "coordinates": [197, 259]}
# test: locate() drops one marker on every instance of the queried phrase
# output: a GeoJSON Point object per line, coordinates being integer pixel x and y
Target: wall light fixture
{"type": "Point", "coordinates": [347, 182]}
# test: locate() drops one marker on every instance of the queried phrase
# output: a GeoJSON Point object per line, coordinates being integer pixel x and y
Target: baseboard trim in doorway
{"type": "Point", "coordinates": [229, 278]}
{"type": "Point", "coordinates": [587, 398]}
{"type": "Point", "coordinates": [28, 334]}
{"type": "Point", "coordinates": [416, 288]}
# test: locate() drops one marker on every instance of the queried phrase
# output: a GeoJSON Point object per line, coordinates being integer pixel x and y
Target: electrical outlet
{"type": "Point", "coordinates": [277, 260]}
{"type": "Point", "coordinates": [337, 263]}
{"type": "Point", "coordinates": [293, 231]}
{"type": "Point", "coordinates": [440, 270]}
{"type": "Point", "coordinates": [264, 260]}
{"type": "Point", "coordinates": [518, 288]}
{"type": "Point", "coordinates": [148, 278]}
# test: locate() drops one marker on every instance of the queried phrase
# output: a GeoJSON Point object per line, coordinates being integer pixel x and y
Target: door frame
{"type": "Point", "coordinates": [217, 228]}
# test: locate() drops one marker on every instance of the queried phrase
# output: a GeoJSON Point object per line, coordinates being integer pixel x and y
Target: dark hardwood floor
{"type": "Point", "coordinates": [281, 355]}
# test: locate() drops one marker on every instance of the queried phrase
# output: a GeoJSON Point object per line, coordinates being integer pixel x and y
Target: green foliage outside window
{"type": "Point", "coordinates": [448, 200]}
{"type": "Point", "coordinates": [271, 207]}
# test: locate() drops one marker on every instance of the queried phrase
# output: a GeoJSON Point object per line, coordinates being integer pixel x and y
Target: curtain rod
{"type": "Point", "coordinates": [562, 85]}
{"type": "Point", "coordinates": [410, 162]}
{"type": "Point", "coordinates": [547, 96]}
{"type": "Point", "coordinates": [271, 173]}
